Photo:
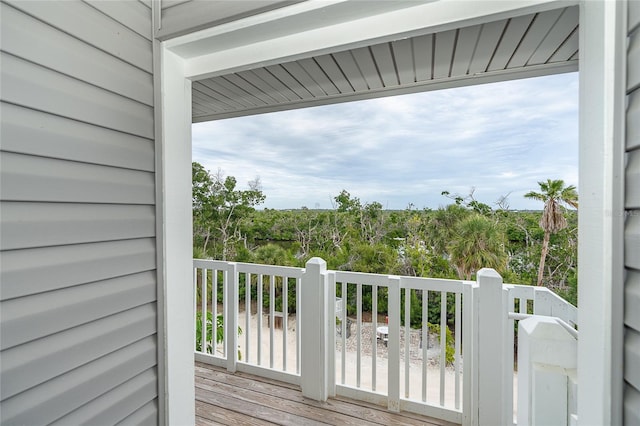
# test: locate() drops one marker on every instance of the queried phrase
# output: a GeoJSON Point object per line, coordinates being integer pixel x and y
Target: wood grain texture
{"type": "Point", "coordinates": [240, 398]}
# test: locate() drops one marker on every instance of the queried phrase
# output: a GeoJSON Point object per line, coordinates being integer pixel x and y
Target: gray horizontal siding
{"type": "Point", "coordinates": [29, 318]}
{"type": "Point", "coordinates": [31, 178]}
{"type": "Point", "coordinates": [144, 416]}
{"type": "Point", "coordinates": [40, 43]}
{"type": "Point", "coordinates": [633, 126]}
{"type": "Point", "coordinates": [60, 396]}
{"type": "Point", "coordinates": [26, 131]}
{"type": "Point", "coordinates": [78, 299]}
{"type": "Point", "coordinates": [90, 25]}
{"type": "Point", "coordinates": [634, 15]}
{"type": "Point", "coordinates": [27, 225]}
{"type": "Point", "coordinates": [632, 224]}
{"type": "Point", "coordinates": [39, 88]}
{"type": "Point", "coordinates": [133, 16]}
{"type": "Point", "coordinates": [51, 356]}
{"type": "Point", "coordinates": [70, 265]}
{"type": "Point", "coordinates": [113, 406]}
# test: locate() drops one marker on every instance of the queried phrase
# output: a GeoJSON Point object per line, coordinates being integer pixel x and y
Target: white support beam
{"type": "Point", "coordinates": [275, 45]}
{"type": "Point", "coordinates": [601, 213]}
{"type": "Point", "coordinates": [175, 268]}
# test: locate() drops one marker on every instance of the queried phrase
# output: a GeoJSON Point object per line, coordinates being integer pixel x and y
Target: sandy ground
{"type": "Point", "coordinates": [248, 346]}
{"type": "Point", "coordinates": [261, 353]}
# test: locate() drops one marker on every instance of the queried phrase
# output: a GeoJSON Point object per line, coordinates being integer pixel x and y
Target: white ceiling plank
{"type": "Point", "coordinates": [283, 75]}
{"type": "Point", "coordinates": [443, 55]}
{"type": "Point", "coordinates": [277, 86]}
{"type": "Point", "coordinates": [384, 61]}
{"type": "Point", "coordinates": [350, 69]}
{"type": "Point", "coordinates": [489, 77]}
{"type": "Point", "coordinates": [487, 43]}
{"type": "Point", "coordinates": [332, 70]}
{"type": "Point", "coordinates": [210, 98]}
{"type": "Point", "coordinates": [516, 27]}
{"type": "Point", "coordinates": [563, 28]}
{"type": "Point", "coordinates": [367, 67]}
{"type": "Point", "coordinates": [539, 29]}
{"type": "Point", "coordinates": [238, 92]}
{"type": "Point", "coordinates": [255, 91]}
{"type": "Point", "coordinates": [256, 81]}
{"type": "Point", "coordinates": [567, 50]}
{"type": "Point", "coordinates": [216, 96]}
{"type": "Point", "coordinates": [465, 48]}
{"type": "Point", "coordinates": [313, 69]}
{"type": "Point", "coordinates": [403, 54]}
{"type": "Point", "coordinates": [423, 57]}
{"type": "Point", "coordinates": [214, 84]}
{"type": "Point", "coordinates": [299, 73]}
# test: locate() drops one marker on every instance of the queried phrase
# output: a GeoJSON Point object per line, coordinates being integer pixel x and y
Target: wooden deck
{"type": "Point", "coordinates": [244, 399]}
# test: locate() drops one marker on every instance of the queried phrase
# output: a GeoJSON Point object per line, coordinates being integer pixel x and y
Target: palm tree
{"type": "Point", "coordinates": [553, 194]}
{"type": "Point", "coordinates": [477, 244]}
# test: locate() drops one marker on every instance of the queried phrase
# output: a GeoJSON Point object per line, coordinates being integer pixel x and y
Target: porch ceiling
{"type": "Point", "coordinates": [523, 46]}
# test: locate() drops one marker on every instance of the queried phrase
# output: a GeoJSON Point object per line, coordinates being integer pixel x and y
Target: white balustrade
{"type": "Point", "coordinates": [476, 388]}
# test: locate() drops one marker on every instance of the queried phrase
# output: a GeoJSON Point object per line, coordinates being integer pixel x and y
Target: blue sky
{"type": "Point", "coordinates": [499, 138]}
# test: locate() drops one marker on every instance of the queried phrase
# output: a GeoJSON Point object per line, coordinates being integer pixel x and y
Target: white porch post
{"type": "Point", "coordinates": [175, 263]}
{"type": "Point", "coordinates": [603, 42]}
{"type": "Point", "coordinates": [314, 330]}
{"type": "Point", "coordinates": [490, 349]}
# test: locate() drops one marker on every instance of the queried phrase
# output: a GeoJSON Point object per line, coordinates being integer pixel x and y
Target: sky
{"type": "Point", "coordinates": [499, 138]}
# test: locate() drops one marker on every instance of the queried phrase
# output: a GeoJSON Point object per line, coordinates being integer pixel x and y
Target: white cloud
{"type": "Point", "coordinates": [499, 138]}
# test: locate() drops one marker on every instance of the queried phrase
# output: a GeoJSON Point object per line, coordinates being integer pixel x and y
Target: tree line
{"type": "Point", "coordinates": [452, 241]}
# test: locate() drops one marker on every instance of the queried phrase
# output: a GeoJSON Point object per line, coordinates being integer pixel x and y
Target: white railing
{"type": "Point", "coordinates": [397, 369]}
{"type": "Point", "coordinates": [230, 288]}
{"type": "Point", "coordinates": [310, 340]}
{"type": "Point", "coordinates": [524, 302]}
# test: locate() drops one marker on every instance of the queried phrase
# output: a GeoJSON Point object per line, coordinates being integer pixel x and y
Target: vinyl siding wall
{"type": "Point", "coordinates": [632, 228]}
{"type": "Point", "coordinates": [78, 278]}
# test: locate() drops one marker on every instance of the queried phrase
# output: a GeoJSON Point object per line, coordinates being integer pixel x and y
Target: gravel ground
{"type": "Point", "coordinates": [366, 344]}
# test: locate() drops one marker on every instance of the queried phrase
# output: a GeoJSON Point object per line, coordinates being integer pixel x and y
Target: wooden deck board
{"type": "Point", "coordinates": [240, 398]}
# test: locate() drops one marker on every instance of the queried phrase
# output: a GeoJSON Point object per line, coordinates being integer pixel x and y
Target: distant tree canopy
{"type": "Point", "coordinates": [453, 241]}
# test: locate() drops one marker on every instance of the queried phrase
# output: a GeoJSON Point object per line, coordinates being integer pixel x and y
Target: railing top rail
{"type": "Point", "coordinates": [362, 278]}
{"type": "Point", "coordinates": [432, 284]}
{"type": "Point", "coordinates": [251, 268]}
{"type": "Point", "coordinates": [285, 271]}
{"type": "Point", "coordinates": [211, 264]}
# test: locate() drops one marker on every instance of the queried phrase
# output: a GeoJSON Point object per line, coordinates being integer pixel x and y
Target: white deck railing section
{"type": "Point", "coordinates": [293, 325]}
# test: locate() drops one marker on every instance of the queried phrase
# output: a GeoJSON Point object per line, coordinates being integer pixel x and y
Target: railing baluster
{"type": "Point", "coordinates": [343, 337]}
{"type": "Point", "coordinates": [260, 278]}
{"type": "Point", "coordinates": [298, 320]}
{"type": "Point", "coordinates": [425, 342]}
{"type": "Point", "coordinates": [443, 342]}
{"type": "Point", "coordinates": [359, 332]}
{"type": "Point", "coordinates": [214, 308]}
{"type": "Point", "coordinates": [374, 334]}
{"type": "Point", "coordinates": [272, 318]}
{"type": "Point", "coordinates": [393, 377]}
{"type": "Point", "coordinates": [285, 311]}
{"type": "Point", "coordinates": [407, 338]}
{"type": "Point", "coordinates": [457, 350]}
{"type": "Point", "coordinates": [203, 316]}
{"type": "Point", "coordinates": [195, 307]}
{"type": "Point", "coordinates": [247, 315]}
{"type": "Point", "coordinates": [231, 321]}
